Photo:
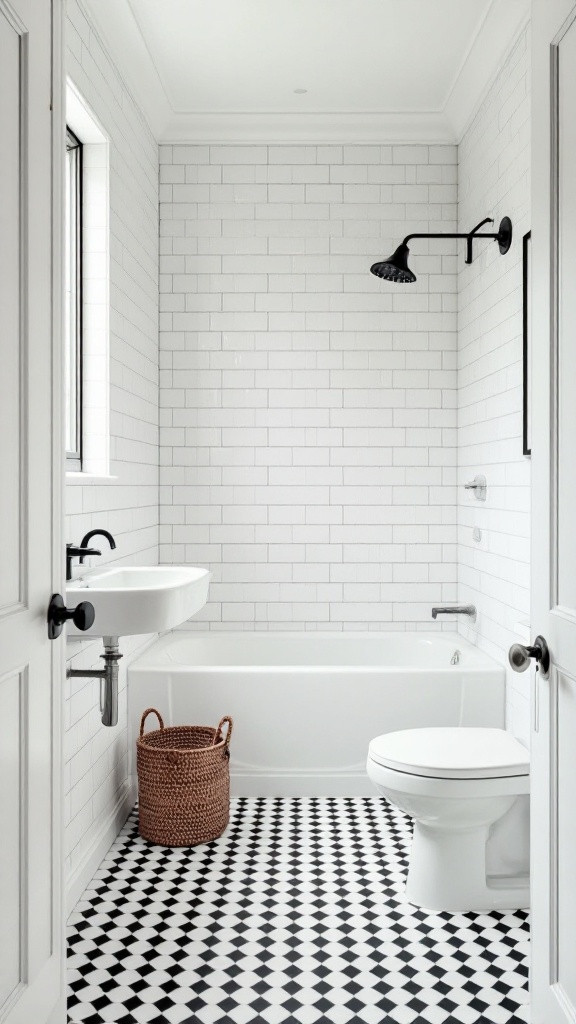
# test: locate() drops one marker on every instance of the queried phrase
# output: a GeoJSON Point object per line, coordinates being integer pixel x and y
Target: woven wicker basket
{"type": "Point", "coordinates": [183, 782]}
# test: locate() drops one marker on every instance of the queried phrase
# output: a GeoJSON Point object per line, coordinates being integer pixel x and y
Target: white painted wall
{"type": "Point", "coordinates": [307, 408]}
{"type": "Point", "coordinates": [125, 502]}
{"type": "Point", "coordinates": [494, 178]}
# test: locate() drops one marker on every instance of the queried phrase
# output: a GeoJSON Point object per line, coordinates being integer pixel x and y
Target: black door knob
{"type": "Point", "coordinates": [82, 615]}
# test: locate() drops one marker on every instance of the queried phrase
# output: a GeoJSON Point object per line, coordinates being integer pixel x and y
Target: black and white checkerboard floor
{"type": "Point", "coordinates": [296, 914]}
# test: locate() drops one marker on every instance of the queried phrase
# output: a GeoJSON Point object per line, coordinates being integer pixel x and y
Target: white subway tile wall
{"type": "Point", "coordinates": [308, 409]}
{"type": "Point", "coordinates": [126, 503]}
{"type": "Point", "coordinates": [494, 179]}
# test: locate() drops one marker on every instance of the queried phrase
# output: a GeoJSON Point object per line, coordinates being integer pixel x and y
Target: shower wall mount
{"type": "Point", "coordinates": [396, 268]}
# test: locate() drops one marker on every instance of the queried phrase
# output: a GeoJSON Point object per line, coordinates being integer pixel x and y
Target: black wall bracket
{"type": "Point", "coordinates": [503, 237]}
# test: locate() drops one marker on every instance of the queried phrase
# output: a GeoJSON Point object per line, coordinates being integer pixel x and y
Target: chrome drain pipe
{"type": "Point", "coordinates": [108, 677]}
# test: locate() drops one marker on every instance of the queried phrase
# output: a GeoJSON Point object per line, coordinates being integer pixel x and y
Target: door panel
{"type": "Point", "coordinates": [563, 610]}
{"type": "Point", "coordinates": [11, 696]}
{"type": "Point", "coordinates": [566, 845]}
{"type": "Point", "coordinates": [553, 782]}
{"type": "Point", "coordinates": [12, 72]}
{"type": "Point", "coordinates": [565, 116]}
{"type": "Point", "coordinates": [31, 675]}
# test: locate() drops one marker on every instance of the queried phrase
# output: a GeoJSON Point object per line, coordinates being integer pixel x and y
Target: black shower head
{"type": "Point", "coordinates": [395, 268]}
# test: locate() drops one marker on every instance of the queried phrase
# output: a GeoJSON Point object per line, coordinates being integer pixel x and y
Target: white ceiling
{"type": "Point", "coordinates": [372, 69]}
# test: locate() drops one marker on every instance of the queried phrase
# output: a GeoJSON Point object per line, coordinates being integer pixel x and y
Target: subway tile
{"type": "Point", "coordinates": [489, 370]}
{"type": "Point", "coordinates": [358, 472]}
{"type": "Point", "coordinates": [125, 505]}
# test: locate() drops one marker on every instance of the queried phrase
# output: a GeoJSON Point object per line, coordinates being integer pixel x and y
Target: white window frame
{"type": "Point", "coordinates": [74, 301]}
{"type": "Point", "coordinates": [95, 460]}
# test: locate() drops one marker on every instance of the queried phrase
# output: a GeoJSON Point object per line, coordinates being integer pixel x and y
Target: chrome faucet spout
{"type": "Point", "coordinates": [459, 609]}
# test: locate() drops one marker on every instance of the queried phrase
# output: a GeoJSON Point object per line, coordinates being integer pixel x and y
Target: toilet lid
{"type": "Point", "coordinates": [452, 753]}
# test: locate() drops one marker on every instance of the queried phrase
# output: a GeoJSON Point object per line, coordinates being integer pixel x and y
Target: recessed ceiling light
{"type": "Point", "coordinates": [300, 92]}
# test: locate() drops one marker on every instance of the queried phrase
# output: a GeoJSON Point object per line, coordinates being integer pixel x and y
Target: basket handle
{"type": "Point", "coordinates": [145, 716]}
{"type": "Point", "coordinates": [218, 732]}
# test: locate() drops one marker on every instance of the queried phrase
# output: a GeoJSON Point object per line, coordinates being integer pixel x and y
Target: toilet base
{"type": "Point", "coordinates": [447, 871]}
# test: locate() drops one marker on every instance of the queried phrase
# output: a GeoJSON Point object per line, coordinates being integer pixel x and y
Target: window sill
{"type": "Point", "coordinates": [77, 477]}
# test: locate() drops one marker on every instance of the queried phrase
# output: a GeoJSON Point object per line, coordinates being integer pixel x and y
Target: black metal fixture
{"type": "Point", "coordinates": [77, 551]}
{"type": "Point", "coordinates": [80, 551]}
{"type": "Point", "coordinates": [526, 343]}
{"type": "Point", "coordinates": [96, 533]}
{"type": "Point", "coordinates": [396, 268]}
{"type": "Point", "coordinates": [82, 615]}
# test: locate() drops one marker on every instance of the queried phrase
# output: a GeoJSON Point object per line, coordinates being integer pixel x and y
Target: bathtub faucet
{"type": "Point", "coordinates": [459, 609]}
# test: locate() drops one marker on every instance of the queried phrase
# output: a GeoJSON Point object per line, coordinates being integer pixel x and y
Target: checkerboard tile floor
{"type": "Point", "coordinates": [296, 914]}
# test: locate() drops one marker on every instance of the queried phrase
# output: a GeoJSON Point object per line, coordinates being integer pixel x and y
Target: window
{"type": "Point", "coordinates": [73, 302]}
{"type": "Point", "coordinates": [87, 292]}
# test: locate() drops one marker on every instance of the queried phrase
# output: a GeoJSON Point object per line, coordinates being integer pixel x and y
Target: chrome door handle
{"type": "Point", "coordinates": [519, 656]}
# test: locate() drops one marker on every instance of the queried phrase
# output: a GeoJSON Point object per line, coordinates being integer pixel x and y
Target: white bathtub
{"type": "Point", "coordinates": [306, 705]}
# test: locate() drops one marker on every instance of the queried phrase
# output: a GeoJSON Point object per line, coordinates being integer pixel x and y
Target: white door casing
{"type": "Point", "coordinates": [553, 972]}
{"type": "Point", "coordinates": [31, 668]}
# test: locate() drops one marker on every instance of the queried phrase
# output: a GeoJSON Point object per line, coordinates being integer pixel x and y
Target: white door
{"type": "Point", "coordinates": [31, 942]}
{"type": "Point", "coordinates": [554, 509]}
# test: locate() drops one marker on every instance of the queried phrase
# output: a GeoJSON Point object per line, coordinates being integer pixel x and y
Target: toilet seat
{"type": "Point", "coordinates": [409, 783]}
{"type": "Point", "coordinates": [451, 753]}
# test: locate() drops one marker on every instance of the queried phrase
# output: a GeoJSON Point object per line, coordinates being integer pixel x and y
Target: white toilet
{"type": "Point", "coordinates": [457, 783]}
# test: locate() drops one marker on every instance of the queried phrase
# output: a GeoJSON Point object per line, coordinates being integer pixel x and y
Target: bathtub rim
{"type": "Point", "coordinates": [153, 658]}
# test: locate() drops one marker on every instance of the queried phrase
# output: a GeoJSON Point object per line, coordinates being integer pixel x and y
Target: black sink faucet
{"type": "Point", "coordinates": [81, 550]}
{"type": "Point", "coordinates": [77, 551]}
{"type": "Point", "coordinates": [95, 533]}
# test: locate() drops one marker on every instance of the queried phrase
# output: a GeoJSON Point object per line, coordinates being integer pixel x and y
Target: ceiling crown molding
{"type": "Point", "coordinates": [120, 35]}
{"type": "Point", "coordinates": [504, 22]}
{"type": "Point", "coordinates": [118, 28]}
{"type": "Point", "coordinates": [308, 128]}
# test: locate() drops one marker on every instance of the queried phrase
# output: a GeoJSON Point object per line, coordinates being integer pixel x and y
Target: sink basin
{"type": "Point", "coordinates": [129, 600]}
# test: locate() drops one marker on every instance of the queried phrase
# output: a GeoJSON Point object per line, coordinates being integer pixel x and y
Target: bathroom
{"type": "Point", "coordinates": [261, 481]}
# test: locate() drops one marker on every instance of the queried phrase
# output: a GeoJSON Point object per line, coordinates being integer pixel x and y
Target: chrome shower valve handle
{"type": "Point", "coordinates": [478, 485]}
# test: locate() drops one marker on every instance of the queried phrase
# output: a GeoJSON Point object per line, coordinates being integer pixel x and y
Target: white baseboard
{"type": "Point", "coordinates": [287, 784]}
{"type": "Point", "coordinates": [95, 853]}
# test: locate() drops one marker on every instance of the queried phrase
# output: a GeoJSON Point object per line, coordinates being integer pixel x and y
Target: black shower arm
{"type": "Point", "coordinates": [469, 235]}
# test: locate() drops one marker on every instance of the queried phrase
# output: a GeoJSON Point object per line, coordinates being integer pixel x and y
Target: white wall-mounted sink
{"type": "Point", "coordinates": [129, 600]}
